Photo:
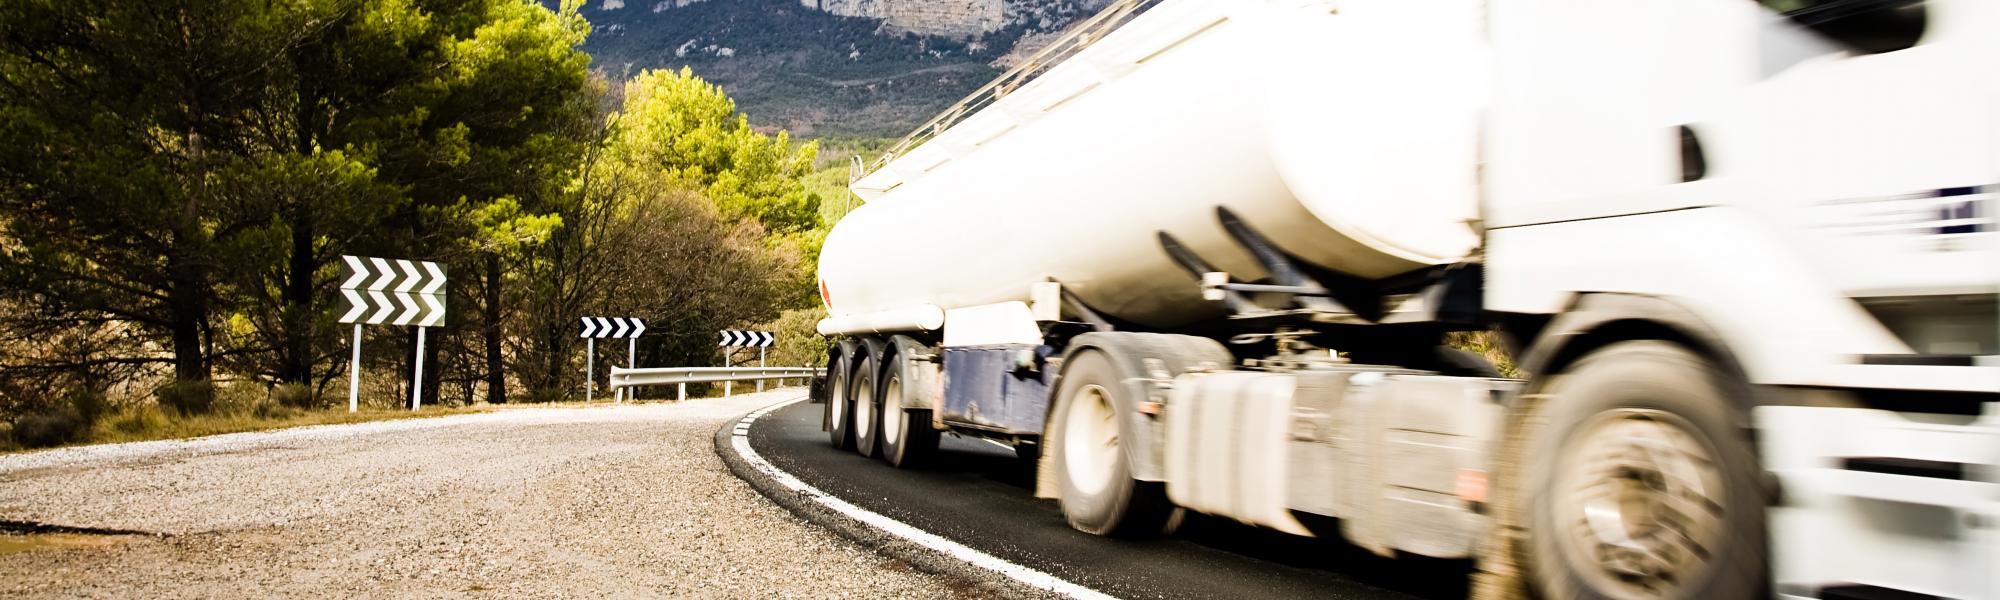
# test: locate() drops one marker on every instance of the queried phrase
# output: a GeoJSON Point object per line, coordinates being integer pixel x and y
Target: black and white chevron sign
{"type": "Point", "coordinates": [376, 291]}
{"type": "Point", "coordinates": [614, 327]}
{"type": "Point", "coordinates": [746, 339]}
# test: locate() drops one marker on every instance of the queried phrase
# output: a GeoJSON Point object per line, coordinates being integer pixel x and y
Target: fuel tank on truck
{"type": "Point", "coordinates": [1345, 132]}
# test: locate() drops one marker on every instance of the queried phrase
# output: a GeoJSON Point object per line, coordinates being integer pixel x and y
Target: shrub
{"type": "Point", "coordinates": [240, 398]}
{"type": "Point", "coordinates": [543, 395]}
{"type": "Point", "coordinates": [90, 405]}
{"type": "Point", "coordinates": [139, 421]}
{"type": "Point", "coordinates": [52, 426]}
{"type": "Point", "coordinates": [295, 395]}
{"type": "Point", "coordinates": [54, 413]}
{"type": "Point", "coordinates": [187, 397]}
{"type": "Point", "coordinates": [799, 342]}
{"type": "Point", "coordinates": [272, 409]}
{"type": "Point", "coordinates": [1487, 345]}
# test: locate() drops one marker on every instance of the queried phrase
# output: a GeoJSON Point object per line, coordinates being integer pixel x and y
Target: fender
{"type": "Point", "coordinates": [1594, 320]}
{"type": "Point", "coordinates": [921, 388]}
{"type": "Point", "coordinates": [840, 348]}
{"type": "Point", "coordinates": [871, 348]}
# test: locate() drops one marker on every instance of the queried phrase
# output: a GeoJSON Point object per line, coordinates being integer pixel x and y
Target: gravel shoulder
{"type": "Point", "coordinates": [627, 501]}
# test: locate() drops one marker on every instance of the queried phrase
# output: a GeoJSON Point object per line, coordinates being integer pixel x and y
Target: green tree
{"type": "Point", "coordinates": [119, 117]}
{"type": "Point", "coordinates": [502, 133]}
{"type": "Point", "coordinates": [188, 170]}
{"type": "Point", "coordinates": [682, 215]}
{"type": "Point", "coordinates": [690, 130]}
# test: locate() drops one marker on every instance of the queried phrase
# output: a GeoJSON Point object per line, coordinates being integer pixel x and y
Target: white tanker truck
{"type": "Point", "coordinates": [1203, 255]}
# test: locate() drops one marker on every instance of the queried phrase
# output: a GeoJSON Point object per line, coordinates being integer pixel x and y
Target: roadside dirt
{"type": "Point", "coordinates": [626, 501]}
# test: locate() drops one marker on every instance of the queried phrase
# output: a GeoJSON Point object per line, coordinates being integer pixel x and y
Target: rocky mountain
{"type": "Point", "coordinates": [841, 68]}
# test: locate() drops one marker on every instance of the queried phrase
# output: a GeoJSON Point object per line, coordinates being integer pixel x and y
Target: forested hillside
{"type": "Point", "coordinates": [180, 177]}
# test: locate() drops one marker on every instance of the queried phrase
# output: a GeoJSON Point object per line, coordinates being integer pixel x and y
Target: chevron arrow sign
{"type": "Point", "coordinates": [378, 291]}
{"type": "Point", "coordinates": [732, 338]}
{"type": "Point", "coordinates": [613, 327]}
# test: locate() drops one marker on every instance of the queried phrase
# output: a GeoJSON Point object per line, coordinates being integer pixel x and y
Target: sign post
{"type": "Point", "coordinates": [417, 379]}
{"type": "Point", "coordinates": [732, 338]}
{"type": "Point", "coordinates": [595, 328]}
{"type": "Point", "coordinates": [376, 291]}
{"type": "Point", "coordinates": [354, 374]}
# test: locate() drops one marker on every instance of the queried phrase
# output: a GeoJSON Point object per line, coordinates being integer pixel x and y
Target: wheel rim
{"type": "Point", "coordinates": [1639, 503]}
{"type": "Point", "coordinates": [864, 409]}
{"type": "Point", "coordinates": [892, 410]}
{"type": "Point", "coordinates": [837, 403]}
{"type": "Point", "coordinates": [1090, 440]}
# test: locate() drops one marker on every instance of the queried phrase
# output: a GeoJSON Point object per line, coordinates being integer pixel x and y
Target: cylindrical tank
{"type": "Point", "coordinates": [1348, 137]}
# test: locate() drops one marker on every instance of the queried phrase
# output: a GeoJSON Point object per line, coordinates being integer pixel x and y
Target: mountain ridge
{"type": "Point", "coordinates": [827, 68]}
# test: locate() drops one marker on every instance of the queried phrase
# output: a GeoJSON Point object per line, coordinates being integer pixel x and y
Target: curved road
{"type": "Point", "coordinates": [979, 495]}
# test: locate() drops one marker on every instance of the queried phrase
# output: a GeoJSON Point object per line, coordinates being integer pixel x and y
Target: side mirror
{"type": "Point", "coordinates": [1866, 26]}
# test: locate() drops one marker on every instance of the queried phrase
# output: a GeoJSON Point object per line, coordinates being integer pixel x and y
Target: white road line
{"type": "Point", "coordinates": [740, 440]}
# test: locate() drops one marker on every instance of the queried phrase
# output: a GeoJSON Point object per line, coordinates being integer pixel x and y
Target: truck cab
{"type": "Point", "coordinates": [1802, 194]}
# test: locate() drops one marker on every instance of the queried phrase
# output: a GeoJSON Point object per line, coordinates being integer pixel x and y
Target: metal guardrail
{"type": "Point", "coordinates": [621, 377]}
{"type": "Point", "coordinates": [1079, 37]}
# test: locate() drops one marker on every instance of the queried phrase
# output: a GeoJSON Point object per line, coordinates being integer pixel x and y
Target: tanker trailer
{"type": "Point", "coordinates": [1203, 256]}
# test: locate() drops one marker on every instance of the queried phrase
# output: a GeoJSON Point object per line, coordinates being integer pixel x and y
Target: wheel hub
{"type": "Point", "coordinates": [836, 401]}
{"type": "Point", "coordinates": [1090, 440]}
{"type": "Point", "coordinates": [864, 411]}
{"type": "Point", "coordinates": [1640, 502]}
{"type": "Point", "coordinates": [892, 409]}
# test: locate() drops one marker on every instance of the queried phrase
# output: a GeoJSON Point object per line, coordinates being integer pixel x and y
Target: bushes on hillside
{"type": "Point", "coordinates": [60, 411]}
{"type": "Point", "coordinates": [54, 426]}
{"type": "Point", "coordinates": [138, 420]}
{"type": "Point", "coordinates": [66, 420]}
{"type": "Point", "coordinates": [186, 397]}
{"type": "Point", "coordinates": [292, 395]}
{"type": "Point", "coordinates": [48, 409]}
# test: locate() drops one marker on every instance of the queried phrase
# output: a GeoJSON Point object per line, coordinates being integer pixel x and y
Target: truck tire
{"type": "Point", "coordinates": [840, 402]}
{"type": "Point", "coordinates": [867, 403]}
{"type": "Point", "coordinates": [1098, 494]}
{"type": "Point", "coordinates": [907, 436]}
{"type": "Point", "coordinates": [1640, 482]}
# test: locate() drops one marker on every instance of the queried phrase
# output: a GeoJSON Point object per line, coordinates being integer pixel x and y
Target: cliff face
{"type": "Point", "coordinates": [869, 68]}
{"type": "Point", "coordinates": [945, 18]}
{"type": "Point", "coordinates": [949, 18]}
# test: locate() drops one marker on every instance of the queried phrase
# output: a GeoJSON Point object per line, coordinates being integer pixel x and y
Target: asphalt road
{"type": "Point", "coordinates": [979, 495]}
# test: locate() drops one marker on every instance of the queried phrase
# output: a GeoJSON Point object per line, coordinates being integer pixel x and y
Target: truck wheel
{"type": "Point", "coordinates": [1641, 483]}
{"type": "Point", "coordinates": [867, 408]}
{"type": "Point", "coordinates": [840, 402]}
{"type": "Point", "coordinates": [1099, 495]}
{"type": "Point", "coordinates": [907, 437]}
